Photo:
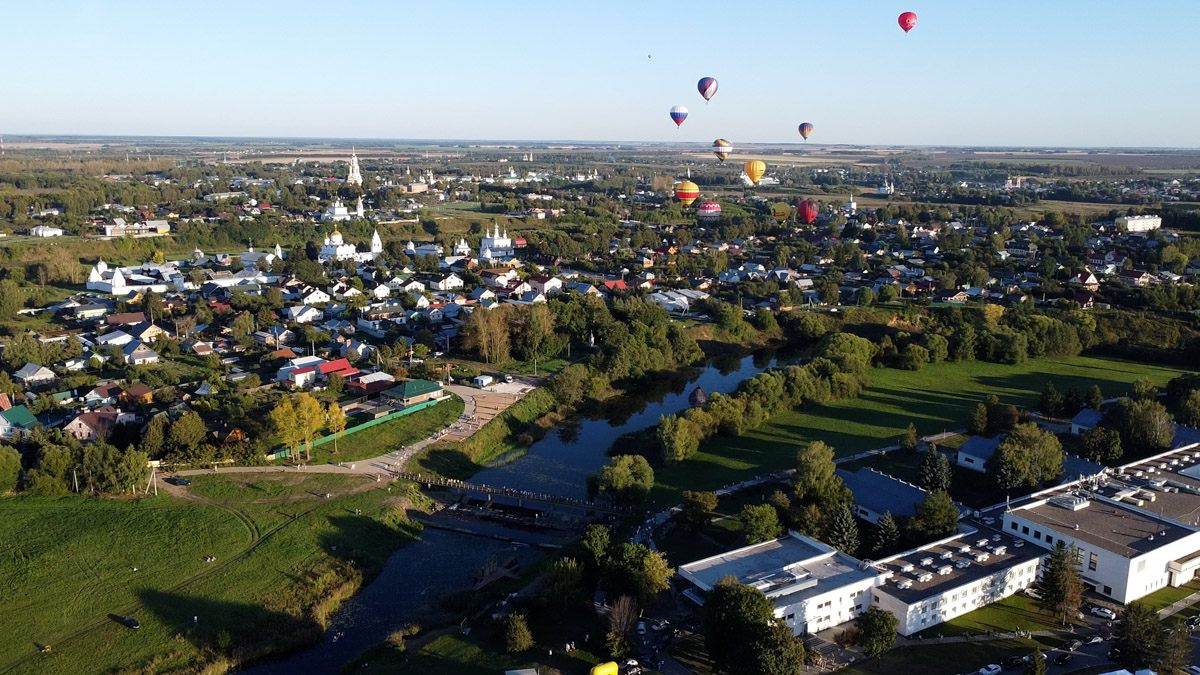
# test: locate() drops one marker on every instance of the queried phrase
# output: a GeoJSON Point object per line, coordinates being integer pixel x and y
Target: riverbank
{"type": "Point", "coordinates": [230, 570]}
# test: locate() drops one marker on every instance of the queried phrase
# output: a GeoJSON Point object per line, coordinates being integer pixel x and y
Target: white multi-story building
{"type": "Point", "coordinates": [497, 246]}
{"type": "Point", "coordinates": [1139, 223]}
{"type": "Point", "coordinates": [812, 586]}
{"type": "Point", "coordinates": [935, 583]}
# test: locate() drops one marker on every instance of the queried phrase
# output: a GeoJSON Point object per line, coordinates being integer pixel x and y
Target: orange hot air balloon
{"type": "Point", "coordinates": [755, 170]}
{"type": "Point", "coordinates": [687, 192]}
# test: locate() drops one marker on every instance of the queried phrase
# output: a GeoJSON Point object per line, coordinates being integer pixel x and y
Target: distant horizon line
{"type": "Point", "coordinates": [32, 137]}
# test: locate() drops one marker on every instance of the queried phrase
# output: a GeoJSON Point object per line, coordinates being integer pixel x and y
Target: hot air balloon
{"type": "Point", "coordinates": [806, 130]}
{"type": "Point", "coordinates": [907, 20]}
{"type": "Point", "coordinates": [755, 170]}
{"type": "Point", "coordinates": [707, 87]}
{"type": "Point", "coordinates": [807, 211]}
{"type": "Point", "coordinates": [780, 212]}
{"type": "Point", "coordinates": [709, 211]}
{"type": "Point", "coordinates": [722, 148]}
{"type": "Point", "coordinates": [679, 114]}
{"type": "Point", "coordinates": [687, 192]}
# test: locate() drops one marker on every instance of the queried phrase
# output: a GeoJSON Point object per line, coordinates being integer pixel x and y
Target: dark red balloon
{"type": "Point", "coordinates": [807, 211]}
{"type": "Point", "coordinates": [908, 20]}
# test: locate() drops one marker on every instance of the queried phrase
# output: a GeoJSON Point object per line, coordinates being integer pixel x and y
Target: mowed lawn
{"type": "Point", "coordinates": [938, 398]}
{"type": "Point", "coordinates": [390, 436]}
{"type": "Point", "coordinates": [73, 567]}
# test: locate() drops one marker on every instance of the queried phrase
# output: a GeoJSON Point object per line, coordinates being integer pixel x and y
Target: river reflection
{"type": "Point", "coordinates": [561, 461]}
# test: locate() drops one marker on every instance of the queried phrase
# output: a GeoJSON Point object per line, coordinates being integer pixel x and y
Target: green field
{"type": "Point", "coordinates": [69, 568]}
{"type": "Point", "coordinates": [945, 659]}
{"type": "Point", "coordinates": [936, 399]}
{"type": "Point", "coordinates": [1012, 613]}
{"type": "Point", "coordinates": [389, 436]}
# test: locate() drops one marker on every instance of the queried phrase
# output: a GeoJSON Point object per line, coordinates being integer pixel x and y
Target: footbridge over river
{"type": "Point", "coordinates": [503, 496]}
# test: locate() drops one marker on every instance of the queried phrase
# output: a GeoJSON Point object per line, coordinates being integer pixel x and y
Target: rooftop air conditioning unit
{"type": "Point", "coordinates": [995, 537]}
{"type": "Point", "coordinates": [982, 542]}
{"type": "Point", "coordinates": [924, 576]}
{"type": "Point", "coordinates": [946, 555]}
{"type": "Point", "coordinates": [904, 584]}
{"type": "Point", "coordinates": [944, 570]}
{"type": "Point", "coordinates": [965, 548]}
{"type": "Point", "coordinates": [906, 567]}
{"type": "Point", "coordinates": [963, 564]}
{"type": "Point", "coordinates": [1019, 543]}
{"type": "Point", "coordinates": [927, 561]}
{"type": "Point", "coordinates": [982, 557]}
{"type": "Point", "coordinates": [1138, 473]}
{"type": "Point", "coordinates": [1001, 550]}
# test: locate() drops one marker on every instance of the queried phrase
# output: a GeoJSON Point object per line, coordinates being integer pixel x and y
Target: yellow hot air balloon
{"type": "Point", "coordinates": [755, 170]}
{"type": "Point", "coordinates": [780, 212]}
{"type": "Point", "coordinates": [687, 192]}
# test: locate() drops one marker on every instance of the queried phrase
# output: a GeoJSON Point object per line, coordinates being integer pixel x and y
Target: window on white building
{"type": "Point", "coordinates": [1093, 560]}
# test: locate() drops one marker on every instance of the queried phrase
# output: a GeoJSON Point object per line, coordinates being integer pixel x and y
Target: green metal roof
{"type": "Point", "coordinates": [413, 388]}
{"type": "Point", "coordinates": [19, 416]}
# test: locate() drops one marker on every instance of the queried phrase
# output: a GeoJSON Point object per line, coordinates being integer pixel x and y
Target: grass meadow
{"type": "Point", "coordinates": [938, 398]}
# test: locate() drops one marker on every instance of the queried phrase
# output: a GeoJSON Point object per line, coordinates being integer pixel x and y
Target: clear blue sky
{"type": "Point", "coordinates": [973, 72]}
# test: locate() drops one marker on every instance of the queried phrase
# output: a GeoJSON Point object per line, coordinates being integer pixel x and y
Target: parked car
{"type": "Point", "coordinates": [1075, 644]}
{"type": "Point", "coordinates": [181, 482]}
{"type": "Point", "coordinates": [1012, 662]}
{"type": "Point", "coordinates": [131, 622]}
{"type": "Point", "coordinates": [641, 628]}
{"type": "Point", "coordinates": [508, 378]}
{"type": "Point", "coordinates": [990, 669]}
{"type": "Point", "coordinates": [660, 625]}
{"type": "Point", "coordinates": [1094, 640]}
{"type": "Point", "coordinates": [1063, 658]}
{"type": "Point", "coordinates": [1033, 593]}
{"type": "Point", "coordinates": [1114, 653]}
{"type": "Point", "coordinates": [1103, 613]}
{"type": "Point", "coordinates": [1193, 622]}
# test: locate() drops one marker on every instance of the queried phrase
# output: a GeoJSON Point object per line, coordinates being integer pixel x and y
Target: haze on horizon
{"type": "Point", "coordinates": [1024, 73]}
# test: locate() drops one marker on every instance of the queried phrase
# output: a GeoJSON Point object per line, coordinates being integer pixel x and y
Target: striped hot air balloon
{"type": "Point", "coordinates": [679, 114]}
{"type": "Point", "coordinates": [707, 87]}
{"type": "Point", "coordinates": [806, 130]}
{"type": "Point", "coordinates": [687, 192]}
{"type": "Point", "coordinates": [755, 170]}
{"type": "Point", "coordinates": [807, 211]}
{"type": "Point", "coordinates": [722, 148]}
{"type": "Point", "coordinates": [709, 211]}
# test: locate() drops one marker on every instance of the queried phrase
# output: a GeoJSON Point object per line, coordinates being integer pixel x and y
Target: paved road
{"type": "Point", "coordinates": [392, 462]}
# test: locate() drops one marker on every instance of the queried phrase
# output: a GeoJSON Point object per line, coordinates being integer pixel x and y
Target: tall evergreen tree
{"type": "Point", "coordinates": [887, 534]}
{"type": "Point", "coordinates": [1051, 402]}
{"type": "Point", "coordinates": [1095, 399]}
{"type": "Point", "coordinates": [1062, 585]}
{"type": "Point", "coordinates": [843, 531]}
{"type": "Point", "coordinates": [911, 439]}
{"type": "Point", "coordinates": [978, 424]}
{"type": "Point", "coordinates": [936, 473]}
{"type": "Point", "coordinates": [1037, 663]}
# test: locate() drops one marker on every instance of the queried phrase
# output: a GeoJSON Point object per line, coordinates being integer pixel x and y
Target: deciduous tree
{"type": "Point", "coordinates": [760, 523]}
{"type": "Point", "coordinates": [876, 631]}
{"type": "Point", "coordinates": [697, 511]}
{"type": "Point", "coordinates": [935, 516]}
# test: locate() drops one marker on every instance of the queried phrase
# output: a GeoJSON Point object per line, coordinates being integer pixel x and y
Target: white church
{"type": "Point", "coordinates": [355, 175]}
{"type": "Point", "coordinates": [336, 248]}
{"type": "Point", "coordinates": [146, 277]}
{"type": "Point", "coordinates": [337, 212]}
{"type": "Point", "coordinates": [497, 246]}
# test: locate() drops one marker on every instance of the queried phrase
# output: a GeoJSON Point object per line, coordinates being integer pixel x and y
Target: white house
{"type": "Point", "coordinates": [45, 231]}
{"type": "Point", "coordinates": [314, 296]}
{"type": "Point", "coordinates": [33, 375]}
{"type": "Point", "coordinates": [449, 282]}
{"type": "Point", "coordinates": [811, 585]}
{"type": "Point", "coordinates": [975, 453]}
{"type": "Point", "coordinates": [303, 314]}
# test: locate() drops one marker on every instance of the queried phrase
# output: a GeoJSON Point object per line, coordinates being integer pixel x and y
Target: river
{"type": "Point", "coordinates": [440, 562]}
{"type": "Point", "coordinates": [561, 461]}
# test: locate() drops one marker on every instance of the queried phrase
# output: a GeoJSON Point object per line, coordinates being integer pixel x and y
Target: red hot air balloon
{"type": "Point", "coordinates": [709, 211]}
{"type": "Point", "coordinates": [807, 211]}
{"type": "Point", "coordinates": [908, 20]}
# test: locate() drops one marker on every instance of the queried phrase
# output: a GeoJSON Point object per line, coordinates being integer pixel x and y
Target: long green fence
{"type": "Point", "coordinates": [287, 452]}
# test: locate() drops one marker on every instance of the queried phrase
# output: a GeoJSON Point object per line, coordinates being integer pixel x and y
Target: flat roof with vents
{"type": "Point", "coordinates": [1108, 525]}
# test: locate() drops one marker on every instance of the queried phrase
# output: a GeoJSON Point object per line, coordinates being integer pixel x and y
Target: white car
{"type": "Point", "coordinates": [1094, 640]}
{"type": "Point", "coordinates": [1103, 613]}
{"type": "Point", "coordinates": [991, 669]}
